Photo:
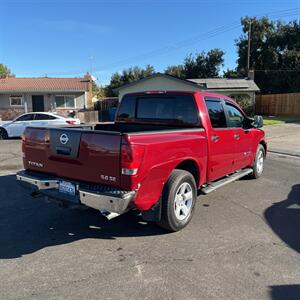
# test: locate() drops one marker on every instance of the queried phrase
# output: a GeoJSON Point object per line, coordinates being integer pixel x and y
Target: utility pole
{"type": "Point", "coordinates": [249, 45]}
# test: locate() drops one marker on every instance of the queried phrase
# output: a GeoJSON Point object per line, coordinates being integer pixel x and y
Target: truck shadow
{"type": "Point", "coordinates": [284, 218]}
{"type": "Point", "coordinates": [285, 292]}
{"type": "Point", "coordinates": [28, 225]}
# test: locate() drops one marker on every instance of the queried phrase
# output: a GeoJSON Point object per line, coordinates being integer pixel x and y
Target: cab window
{"type": "Point", "coordinates": [126, 110]}
{"type": "Point", "coordinates": [235, 117]}
{"type": "Point", "coordinates": [179, 109]}
{"type": "Point", "coordinates": [216, 113]}
{"type": "Point", "coordinates": [159, 108]}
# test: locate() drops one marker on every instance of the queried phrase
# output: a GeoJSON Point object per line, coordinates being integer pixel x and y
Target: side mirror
{"type": "Point", "coordinates": [258, 122]}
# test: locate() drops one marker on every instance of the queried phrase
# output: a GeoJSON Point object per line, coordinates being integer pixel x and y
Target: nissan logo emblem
{"type": "Point", "coordinates": [64, 138]}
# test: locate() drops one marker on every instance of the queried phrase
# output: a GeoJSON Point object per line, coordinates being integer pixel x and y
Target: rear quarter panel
{"type": "Point", "coordinates": [163, 152]}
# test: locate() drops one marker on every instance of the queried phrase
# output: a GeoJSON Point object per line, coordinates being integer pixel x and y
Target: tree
{"type": "Point", "coordinates": [204, 65]}
{"type": "Point", "coordinates": [5, 71]}
{"type": "Point", "coordinates": [231, 73]}
{"type": "Point", "coordinates": [127, 76]}
{"type": "Point", "coordinates": [98, 90]}
{"type": "Point", "coordinates": [274, 54]}
{"type": "Point", "coordinates": [176, 70]}
{"type": "Point", "coordinates": [200, 65]}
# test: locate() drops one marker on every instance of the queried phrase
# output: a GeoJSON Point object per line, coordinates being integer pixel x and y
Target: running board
{"type": "Point", "coordinates": [230, 178]}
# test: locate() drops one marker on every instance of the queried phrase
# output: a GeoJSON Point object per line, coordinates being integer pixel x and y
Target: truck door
{"type": "Point", "coordinates": [220, 140]}
{"type": "Point", "coordinates": [242, 137]}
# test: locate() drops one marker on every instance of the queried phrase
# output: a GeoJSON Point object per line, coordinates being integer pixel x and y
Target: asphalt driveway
{"type": "Point", "coordinates": [243, 243]}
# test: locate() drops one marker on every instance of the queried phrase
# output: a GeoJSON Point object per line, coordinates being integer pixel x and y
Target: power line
{"type": "Point", "coordinates": [143, 2]}
{"type": "Point", "coordinates": [184, 43]}
{"type": "Point", "coordinates": [277, 70]}
{"type": "Point", "coordinates": [160, 51]}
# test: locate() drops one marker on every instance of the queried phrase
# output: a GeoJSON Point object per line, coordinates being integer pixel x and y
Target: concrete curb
{"type": "Point", "coordinates": [284, 152]}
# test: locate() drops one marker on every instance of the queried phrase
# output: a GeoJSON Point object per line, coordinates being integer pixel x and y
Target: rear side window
{"type": "Point", "coordinates": [216, 114]}
{"type": "Point", "coordinates": [177, 109]}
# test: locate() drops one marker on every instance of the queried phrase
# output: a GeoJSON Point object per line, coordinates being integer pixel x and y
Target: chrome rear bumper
{"type": "Point", "coordinates": [41, 184]}
{"type": "Point", "coordinates": [110, 201]}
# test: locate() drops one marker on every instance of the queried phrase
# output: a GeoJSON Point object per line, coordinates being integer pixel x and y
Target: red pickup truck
{"type": "Point", "coordinates": [162, 149]}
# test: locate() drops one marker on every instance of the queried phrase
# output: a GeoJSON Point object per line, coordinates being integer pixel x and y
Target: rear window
{"type": "Point", "coordinates": [43, 117]}
{"type": "Point", "coordinates": [127, 109]}
{"type": "Point", "coordinates": [178, 109]}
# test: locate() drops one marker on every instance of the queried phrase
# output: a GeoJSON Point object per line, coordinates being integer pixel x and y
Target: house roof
{"type": "Point", "coordinates": [43, 84]}
{"type": "Point", "coordinates": [205, 83]}
{"type": "Point", "coordinates": [224, 83]}
{"type": "Point", "coordinates": [154, 76]}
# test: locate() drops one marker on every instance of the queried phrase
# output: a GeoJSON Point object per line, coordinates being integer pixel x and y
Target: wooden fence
{"type": "Point", "coordinates": [278, 104]}
{"type": "Point", "coordinates": [88, 116]}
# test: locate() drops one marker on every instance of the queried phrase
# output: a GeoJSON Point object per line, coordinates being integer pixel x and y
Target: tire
{"type": "Point", "coordinates": [176, 210]}
{"type": "Point", "coordinates": [258, 166]}
{"type": "Point", "coordinates": [3, 134]}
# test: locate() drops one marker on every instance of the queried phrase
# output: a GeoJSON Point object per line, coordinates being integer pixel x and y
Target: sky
{"type": "Point", "coordinates": [67, 38]}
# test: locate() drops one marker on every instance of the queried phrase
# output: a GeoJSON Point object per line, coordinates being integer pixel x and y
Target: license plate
{"type": "Point", "coordinates": [66, 188]}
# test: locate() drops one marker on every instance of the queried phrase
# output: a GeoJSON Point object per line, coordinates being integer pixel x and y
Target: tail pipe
{"type": "Point", "coordinates": [108, 215]}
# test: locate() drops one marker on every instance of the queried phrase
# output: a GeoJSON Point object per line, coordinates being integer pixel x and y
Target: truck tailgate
{"type": "Point", "coordinates": [83, 155]}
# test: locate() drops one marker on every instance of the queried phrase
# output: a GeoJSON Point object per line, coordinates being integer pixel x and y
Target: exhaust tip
{"type": "Point", "coordinates": [108, 215]}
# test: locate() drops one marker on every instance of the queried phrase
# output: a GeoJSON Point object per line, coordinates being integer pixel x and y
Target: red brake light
{"type": "Point", "coordinates": [132, 157]}
{"type": "Point", "coordinates": [155, 92]}
{"type": "Point", "coordinates": [71, 122]}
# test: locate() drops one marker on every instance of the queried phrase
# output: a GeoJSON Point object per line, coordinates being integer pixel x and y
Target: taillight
{"type": "Point", "coordinates": [132, 157]}
{"type": "Point", "coordinates": [71, 122]}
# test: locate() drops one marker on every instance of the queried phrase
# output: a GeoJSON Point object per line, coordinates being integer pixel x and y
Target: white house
{"type": "Point", "coordinates": [238, 89]}
{"type": "Point", "coordinates": [19, 95]}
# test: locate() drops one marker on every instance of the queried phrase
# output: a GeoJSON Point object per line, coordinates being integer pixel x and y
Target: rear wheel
{"type": "Point", "coordinates": [258, 166]}
{"type": "Point", "coordinates": [178, 200]}
{"type": "Point", "coordinates": [3, 134]}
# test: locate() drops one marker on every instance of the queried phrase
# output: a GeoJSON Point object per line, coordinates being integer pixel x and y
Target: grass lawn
{"type": "Point", "coordinates": [279, 120]}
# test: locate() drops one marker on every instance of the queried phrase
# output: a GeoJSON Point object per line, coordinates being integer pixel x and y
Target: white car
{"type": "Point", "coordinates": [17, 127]}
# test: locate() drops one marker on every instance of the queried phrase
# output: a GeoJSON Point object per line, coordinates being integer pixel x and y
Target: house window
{"type": "Point", "coordinates": [65, 101]}
{"type": "Point", "coordinates": [16, 101]}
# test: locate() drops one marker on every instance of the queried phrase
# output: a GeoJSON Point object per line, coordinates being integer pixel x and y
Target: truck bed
{"type": "Point", "coordinates": [90, 155]}
{"type": "Point", "coordinates": [137, 128]}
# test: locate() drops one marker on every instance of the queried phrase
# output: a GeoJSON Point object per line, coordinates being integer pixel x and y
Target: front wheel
{"type": "Point", "coordinates": [178, 200]}
{"type": "Point", "coordinates": [3, 134]}
{"type": "Point", "coordinates": [258, 166]}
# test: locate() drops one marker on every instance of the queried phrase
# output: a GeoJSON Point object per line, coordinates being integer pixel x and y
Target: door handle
{"type": "Point", "coordinates": [236, 136]}
{"type": "Point", "coordinates": [215, 138]}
